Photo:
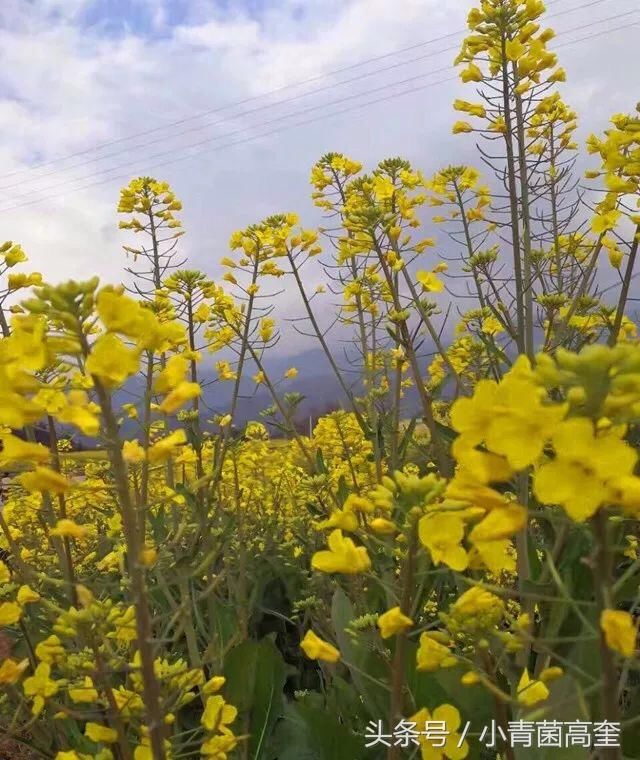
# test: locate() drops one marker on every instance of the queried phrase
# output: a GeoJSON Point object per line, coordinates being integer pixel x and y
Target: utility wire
{"type": "Point", "coordinates": [251, 138]}
{"type": "Point", "coordinates": [195, 117]}
{"type": "Point", "coordinates": [278, 119]}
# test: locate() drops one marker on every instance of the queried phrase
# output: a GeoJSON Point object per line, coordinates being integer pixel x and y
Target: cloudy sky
{"type": "Point", "coordinates": [88, 87]}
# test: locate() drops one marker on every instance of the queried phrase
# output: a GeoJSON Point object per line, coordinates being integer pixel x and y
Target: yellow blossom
{"type": "Point", "coordinates": [429, 282]}
{"type": "Point", "coordinates": [164, 448]}
{"type": "Point", "coordinates": [217, 746]}
{"type": "Point", "coordinates": [472, 74]}
{"type": "Point", "coordinates": [213, 685]}
{"type": "Point", "coordinates": [382, 526]}
{"type": "Point", "coordinates": [84, 694]}
{"type": "Point", "coordinates": [26, 595]}
{"type": "Point", "coordinates": [133, 452]}
{"type": "Point", "coordinates": [551, 674]}
{"type": "Point", "coordinates": [10, 613]}
{"type": "Point", "coordinates": [433, 655]}
{"type": "Point", "coordinates": [50, 649]}
{"type": "Point", "coordinates": [462, 126]}
{"type": "Point", "coordinates": [531, 691]}
{"type": "Point", "coordinates": [393, 621]}
{"type": "Point", "coordinates": [100, 734]}
{"type": "Point", "coordinates": [340, 518]}
{"type": "Point", "coordinates": [40, 687]}
{"type": "Point", "coordinates": [44, 479]}
{"type": "Point", "coordinates": [441, 533]}
{"type": "Point", "coordinates": [343, 556]}
{"type": "Point", "coordinates": [11, 670]}
{"type": "Point", "coordinates": [14, 449]}
{"type": "Point", "coordinates": [620, 631]}
{"type": "Point", "coordinates": [432, 746]}
{"type": "Point", "coordinates": [179, 396]}
{"type": "Point", "coordinates": [111, 361]}
{"type": "Point", "coordinates": [582, 475]}
{"type": "Point", "coordinates": [69, 529]}
{"type": "Point", "coordinates": [148, 556]}
{"type": "Point", "coordinates": [317, 649]}
{"type": "Point", "coordinates": [172, 374]}
{"type": "Point", "coordinates": [357, 503]}
{"type": "Point", "coordinates": [218, 714]}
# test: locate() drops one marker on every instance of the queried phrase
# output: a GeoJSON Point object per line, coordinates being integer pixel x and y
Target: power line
{"type": "Point", "coordinates": [185, 120]}
{"type": "Point", "coordinates": [278, 119]}
{"type": "Point", "coordinates": [269, 133]}
{"type": "Point", "coordinates": [233, 117]}
{"type": "Point", "coordinates": [235, 104]}
{"type": "Point", "coordinates": [243, 141]}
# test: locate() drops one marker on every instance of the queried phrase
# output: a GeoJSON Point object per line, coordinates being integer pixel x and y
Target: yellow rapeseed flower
{"type": "Point", "coordinates": [218, 714]}
{"type": "Point", "coordinates": [26, 595]}
{"type": "Point", "coordinates": [382, 526]}
{"type": "Point", "coordinates": [165, 447]}
{"type": "Point", "coordinates": [441, 533]}
{"type": "Point", "coordinates": [100, 734]}
{"type": "Point", "coordinates": [69, 529]}
{"type": "Point", "coordinates": [179, 396]}
{"type": "Point", "coordinates": [317, 649]}
{"type": "Point", "coordinates": [40, 686]}
{"type": "Point", "coordinates": [430, 282]}
{"type": "Point", "coordinates": [393, 621]}
{"type": "Point", "coordinates": [44, 479]}
{"type": "Point", "coordinates": [582, 475]}
{"type": "Point", "coordinates": [11, 670]}
{"type": "Point", "coordinates": [432, 654]}
{"type": "Point", "coordinates": [14, 449]}
{"type": "Point", "coordinates": [213, 685]}
{"type": "Point", "coordinates": [433, 747]}
{"type": "Point", "coordinates": [85, 693]}
{"type": "Point", "coordinates": [339, 518]}
{"type": "Point", "coordinates": [343, 556]}
{"type": "Point", "coordinates": [133, 452]}
{"type": "Point", "coordinates": [531, 691]}
{"type": "Point", "coordinates": [620, 631]}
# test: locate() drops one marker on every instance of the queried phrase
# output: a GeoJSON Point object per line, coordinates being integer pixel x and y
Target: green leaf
{"type": "Point", "coordinates": [321, 467]}
{"type": "Point", "coordinates": [564, 704]}
{"type": "Point", "coordinates": [223, 625]}
{"type": "Point", "coordinates": [343, 490]}
{"type": "Point", "coordinates": [256, 674]}
{"type": "Point", "coordinates": [443, 686]}
{"type": "Point", "coordinates": [406, 438]}
{"type": "Point", "coordinates": [367, 668]}
{"type": "Point", "coordinates": [309, 732]}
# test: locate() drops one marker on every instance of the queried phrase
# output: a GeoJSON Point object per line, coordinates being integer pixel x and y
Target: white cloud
{"type": "Point", "coordinates": [65, 88]}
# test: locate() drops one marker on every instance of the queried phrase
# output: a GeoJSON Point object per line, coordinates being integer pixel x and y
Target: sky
{"type": "Point", "coordinates": [88, 87]}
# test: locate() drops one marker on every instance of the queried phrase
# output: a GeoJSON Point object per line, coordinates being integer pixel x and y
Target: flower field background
{"type": "Point", "coordinates": [193, 589]}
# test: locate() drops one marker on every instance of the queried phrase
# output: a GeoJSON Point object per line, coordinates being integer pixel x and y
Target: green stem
{"type": "Point", "coordinates": [400, 654]}
{"type": "Point", "coordinates": [603, 574]}
{"type": "Point", "coordinates": [624, 293]}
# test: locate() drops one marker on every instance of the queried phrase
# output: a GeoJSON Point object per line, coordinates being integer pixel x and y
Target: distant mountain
{"type": "Point", "coordinates": [316, 382]}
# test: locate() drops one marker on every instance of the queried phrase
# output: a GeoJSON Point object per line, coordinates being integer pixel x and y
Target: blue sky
{"type": "Point", "coordinates": [121, 17]}
{"type": "Point", "coordinates": [155, 20]}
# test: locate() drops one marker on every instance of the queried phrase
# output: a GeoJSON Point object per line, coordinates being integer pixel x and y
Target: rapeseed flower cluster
{"type": "Point", "coordinates": [456, 541]}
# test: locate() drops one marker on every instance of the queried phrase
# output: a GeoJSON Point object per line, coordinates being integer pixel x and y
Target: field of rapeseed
{"type": "Point", "coordinates": [199, 591]}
